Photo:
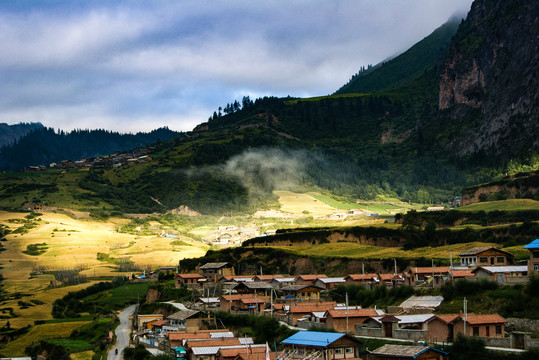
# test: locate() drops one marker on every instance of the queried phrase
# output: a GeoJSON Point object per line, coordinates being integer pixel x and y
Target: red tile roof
{"type": "Point", "coordinates": [429, 270]}
{"type": "Point", "coordinates": [462, 273]}
{"type": "Point", "coordinates": [352, 313]}
{"type": "Point", "coordinates": [189, 276]}
{"type": "Point", "coordinates": [175, 336]}
{"type": "Point", "coordinates": [212, 342]}
{"type": "Point", "coordinates": [390, 277]}
{"type": "Point", "coordinates": [308, 308]}
{"type": "Point", "coordinates": [236, 351]}
{"type": "Point", "coordinates": [256, 355]}
{"type": "Point", "coordinates": [237, 297]}
{"type": "Point", "coordinates": [485, 319]}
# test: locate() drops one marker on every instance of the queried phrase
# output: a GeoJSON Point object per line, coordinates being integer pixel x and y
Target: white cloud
{"type": "Point", "coordinates": [139, 63]}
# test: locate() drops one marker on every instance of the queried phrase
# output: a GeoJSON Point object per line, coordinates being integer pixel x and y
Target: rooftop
{"type": "Point", "coordinates": [422, 302]}
{"type": "Point", "coordinates": [533, 245]}
{"type": "Point", "coordinates": [502, 269]}
{"type": "Point", "coordinates": [485, 319]}
{"type": "Point", "coordinates": [403, 351]}
{"type": "Point", "coordinates": [313, 338]}
{"type": "Point", "coordinates": [217, 265]}
{"type": "Point", "coordinates": [182, 315]}
{"type": "Point", "coordinates": [352, 313]}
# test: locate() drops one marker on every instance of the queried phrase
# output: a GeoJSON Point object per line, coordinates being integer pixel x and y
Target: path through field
{"type": "Point", "coordinates": [123, 331]}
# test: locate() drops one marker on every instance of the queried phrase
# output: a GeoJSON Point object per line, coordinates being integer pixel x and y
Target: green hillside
{"type": "Point", "coordinates": [407, 66]}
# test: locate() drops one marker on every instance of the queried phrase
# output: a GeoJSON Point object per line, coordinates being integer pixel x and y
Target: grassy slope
{"type": "Point", "coordinates": [508, 205]}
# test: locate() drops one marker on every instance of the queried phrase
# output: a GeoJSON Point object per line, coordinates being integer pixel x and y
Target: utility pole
{"type": "Point", "coordinates": [347, 312]}
{"type": "Point", "coordinates": [465, 314]}
{"type": "Point", "coordinates": [450, 265]}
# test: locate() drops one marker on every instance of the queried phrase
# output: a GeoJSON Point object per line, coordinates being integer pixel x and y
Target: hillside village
{"type": "Point", "coordinates": [302, 303]}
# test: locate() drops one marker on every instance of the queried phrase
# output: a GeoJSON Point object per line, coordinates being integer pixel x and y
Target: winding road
{"type": "Point", "coordinates": [123, 332]}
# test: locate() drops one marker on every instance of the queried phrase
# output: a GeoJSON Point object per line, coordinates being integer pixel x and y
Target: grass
{"type": "Point", "coordinates": [359, 251]}
{"type": "Point", "coordinates": [38, 333]}
{"type": "Point", "coordinates": [73, 345]}
{"type": "Point", "coordinates": [507, 205]}
{"type": "Point", "coordinates": [125, 294]}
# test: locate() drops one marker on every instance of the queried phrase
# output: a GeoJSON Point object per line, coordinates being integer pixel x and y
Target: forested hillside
{"type": "Point", "coordinates": [43, 146]}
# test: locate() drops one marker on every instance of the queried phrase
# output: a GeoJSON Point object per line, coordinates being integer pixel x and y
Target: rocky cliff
{"type": "Point", "coordinates": [492, 67]}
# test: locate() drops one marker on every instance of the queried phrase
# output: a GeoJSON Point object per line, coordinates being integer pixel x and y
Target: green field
{"type": "Point", "coordinates": [507, 205]}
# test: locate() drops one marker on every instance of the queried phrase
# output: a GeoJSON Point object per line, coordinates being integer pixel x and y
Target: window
{"type": "Point", "coordinates": [338, 351]}
{"type": "Point", "coordinates": [500, 260]}
{"type": "Point", "coordinates": [498, 329]}
{"type": "Point", "coordinates": [475, 330]}
{"type": "Point", "coordinates": [349, 350]}
{"type": "Point", "coordinates": [536, 267]}
{"type": "Point", "coordinates": [483, 259]}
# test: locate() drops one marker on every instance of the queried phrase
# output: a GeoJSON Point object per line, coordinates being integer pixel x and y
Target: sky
{"type": "Point", "coordinates": [132, 66]}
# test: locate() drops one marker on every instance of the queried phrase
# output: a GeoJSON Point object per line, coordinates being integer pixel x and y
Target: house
{"type": "Point", "coordinates": [241, 302]}
{"type": "Point", "coordinates": [301, 292]}
{"type": "Point", "coordinates": [298, 311]}
{"type": "Point", "coordinates": [355, 212]}
{"type": "Point", "coordinates": [144, 318]}
{"type": "Point", "coordinates": [259, 288]}
{"type": "Point", "coordinates": [308, 279]}
{"type": "Point", "coordinates": [208, 302]}
{"type": "Point", "coordinates": [398, 352]}
{"type": "Point", "coordinates": [481, 325]}
{"type": "Point", "coordinates": [346, 320]}
{"type": "Point", "coordinates": [184, 320]}
{"type": "Point", "coordinates": [391, 280]}
{"type": "Point", "coordinates": [461, 274]}
{"type": "Point", "coordinates": [423, 304]}
{"type": "Point", "coordinates": [211, 352]}
{"type": "Point", "coordinates": [329, 283]}
{"type": "Point", "coordinates": [435, 208]}
{"type": "Point", "coordinates": [178, 338]}
{"type": "Point", "coordinates": [512, 274]}
{"type": "Point", "coordinates": [317, 345]}
{"type": "Point", "coordinates": [267, 278]}
{"type": "Point", "coordinates": [433, 276]}
{"type": "Point", "coordinates": [420, 327]}
{"type": "Point", "coordinates": [256, 355]}
{"type": "Point", "coordinates": [192, 281]}
{"type": "Point", "coordinates": [533, 264]}
{"type": "Point", "coordinates": [367, 280]}
{"type": "Point", "coordinates": [233, 353]}
{"type": "Point", "coordinates": [485, 256]}
{"type": "Point", "coordinates": [214, 271]}
{"type": "Point", "coordinates": [279, 283]}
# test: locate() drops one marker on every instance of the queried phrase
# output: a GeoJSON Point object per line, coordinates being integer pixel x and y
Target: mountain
{"type": "Point", "coordinates": [404, 140]}
{"type": "Point", "coordinates": [407, 66]}
{"type": "Point", "coordinates": [10, 133]}
{"type": "Point", "coordinates": [492, 71]}
{"type": "Point", "coordinates": [43, 146]}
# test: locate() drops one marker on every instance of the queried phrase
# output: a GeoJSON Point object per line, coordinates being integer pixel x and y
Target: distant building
{"type": "Point", "coordinates": [488, 256]}
{"type": "Point", "coordinates": [317, 345]}
{"type": "Point", "coordinates": [405, 352]}
{"type": "Point", "coordinates": [512, 274]}
{"type": "Point", "coordinates": [533, 264]}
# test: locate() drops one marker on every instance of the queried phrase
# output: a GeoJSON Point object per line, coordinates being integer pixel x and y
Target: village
{"type": "Point", "coordinates": [336, 330]}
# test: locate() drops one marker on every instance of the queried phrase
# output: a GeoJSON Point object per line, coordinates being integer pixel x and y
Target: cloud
{"type": "Point", "coordinates": [136, 63]}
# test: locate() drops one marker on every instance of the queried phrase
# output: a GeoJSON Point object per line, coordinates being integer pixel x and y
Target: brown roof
{"type": "Point", "coordinates": [236, 297]}
{"type": "Point", "coordinates": [308, 308]}
{"type": "Point", "coordinates": [485, 319]}
{"type": "Point", "coordinates": [267, 277]}
{"type": "Point", "coordinates": [462, 273]}
{"type": "Point", "coordinates": [352, 313]}
{"type": "Point", "coordinates": [429, 270]}
{"type": "Point", "coordinates": [387, 277]}
{"type": "Point", "coordinates": [252, 300]}
{"type": "Point", "coordinates": [359, 277]}
{"type": "Point", "coordinates": [236, 351]}
{"type": "Point", "coordinates": [187, 336]}
{"type": "Point", "coordinates": [156, 323]}
{"type": "Point", "coordinates": [212, 342]}
{"type": "Point", "coordinates": [311, 276]}
{"type": "Point", "coordinates": [189, 276]}
{"type": "Point", "coordinates": [448, 318]}
{"type": "Point", "coordinates": [183, 314]}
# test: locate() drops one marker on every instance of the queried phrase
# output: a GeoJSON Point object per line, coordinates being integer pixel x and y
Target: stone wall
{"type": "Point", "coordinates": [523, 325]}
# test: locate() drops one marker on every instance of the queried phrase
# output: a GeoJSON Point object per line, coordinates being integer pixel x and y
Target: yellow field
{"type": "Point", "coordinates": [297, 203]}
{"type": "Point", "coordinates": [72, 243]}
{"type": "Point", "coordinates": [38, 333]}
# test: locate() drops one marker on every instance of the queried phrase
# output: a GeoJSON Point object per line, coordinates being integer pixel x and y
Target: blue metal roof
{"type": "Point", "coordinates": [533, 245]}
{"type": "Point", "coordinates": [313, 338]}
